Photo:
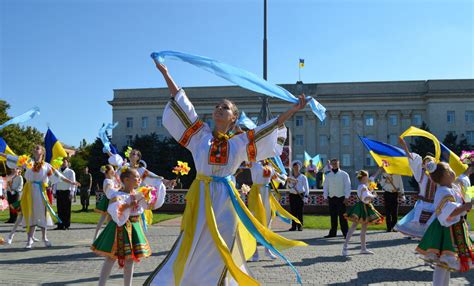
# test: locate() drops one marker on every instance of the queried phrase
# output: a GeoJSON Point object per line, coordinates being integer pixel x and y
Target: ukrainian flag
{"type": "Point", "coordinates": [54, 149]}
{"type": "Point", "coordinates": [442, 153]}
{"type": "Point", "coordinates": [301, 63]}
{"type": "Point", "coordinates": [392, 159]}
{"type": "Point", "coordinates": [5, 149]}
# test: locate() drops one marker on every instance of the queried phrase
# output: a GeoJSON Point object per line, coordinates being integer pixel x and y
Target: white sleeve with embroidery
{"type": "Point", "coordinates": [265, 141]}
{"type": "Point", "coordinates": [182, 121]}
{"type": "Point", "coordinates": [117, 210]}
{"type": "Point", "coordinates": [366, 196]}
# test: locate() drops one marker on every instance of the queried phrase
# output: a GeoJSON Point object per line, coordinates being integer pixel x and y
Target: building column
{"type": "Point", "coordinates": [358, 148]}
{"type": "Point", "coordinates": [405, 120]}
{"type": "Point", "coordinates": [382, 126]}
{"type": "Point", "coordinates": [334, 135]}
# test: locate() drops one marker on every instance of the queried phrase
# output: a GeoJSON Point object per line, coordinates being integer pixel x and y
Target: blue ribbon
{"type": "Point", "coordinates": [103, 136]}
{"type": "Point", "coordinates": [145, 227]}
{"type": "Point", "coordinates": [46, 202]}
{"type": "Point", "coordinates": [240, 77]}
{"type": "Point", "coordinates": [246, 122]}
{"type": "Point", "coordinates": [284, 219]}
{"type": "Point", "coordinates": [249, 225]}
{"type": "Point", "coordinates": [30, 114]}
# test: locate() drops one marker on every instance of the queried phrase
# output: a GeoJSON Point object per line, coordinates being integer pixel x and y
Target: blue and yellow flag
{"type": "Point", "coordinates": [301, 63]}
{"type": "Point", "coordinates": [442, 153]}
{"type": "Point", "coordinates": [317, 162]}
{"type": "Point", "coordinates": [54, 150]}
{"type": "Point", "coordinates": [392, 159]}
{"type": "Point", "coordinates": [5, 149]}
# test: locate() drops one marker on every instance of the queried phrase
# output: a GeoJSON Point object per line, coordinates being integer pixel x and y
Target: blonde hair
{"type": "Point", "coordinates": [442, 168]}
{"type": "Point", "coordinates": [43, 154]}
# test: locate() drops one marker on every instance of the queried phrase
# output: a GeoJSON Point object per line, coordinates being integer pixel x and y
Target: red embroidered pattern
{"type": "Point", "coordinates": [251, 147]}
{"type": "Point", "coordinates": [219, 152]}
{"type": "Point", "coordinates": [267, 171]}
{"type": "Point", "coordinates": [189, 133]}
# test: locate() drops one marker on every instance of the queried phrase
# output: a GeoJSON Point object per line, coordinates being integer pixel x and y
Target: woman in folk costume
{"type": "Point", "coordinates": [446, 243]}
{"type": "Point", "coordinates": [111, 184]}
{"type": "Point", "coordinates": [34, 204]}
{"type": "Point", "coordinates": [415, 223]}
{"type": "Point", "coordinates": [147, 177]}
{"type": "Point", "coordinates": [363, 212]}
{"type": "Point", "coordinates": [123, 238]}
{"type": "Point", "coordinates": [217, 229]}
{"type": "Point", "coordinates": [261, 201]}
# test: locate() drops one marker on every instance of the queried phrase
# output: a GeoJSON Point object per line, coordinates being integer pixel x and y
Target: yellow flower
{"type": "Point", "coordinates": [127, 153]}
{"type": "Point", "coordinates": [372, 185]}
{"type": "Point", "coordinates": [57, 163]}
{"type": "Point", "coordinates": [124, 168]}
{"type": "Point", "coordinates": [23, 160]}
{"type": "Point", "coordinates": [182, 168]}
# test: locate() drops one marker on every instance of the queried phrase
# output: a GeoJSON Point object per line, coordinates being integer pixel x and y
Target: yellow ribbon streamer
{"type": "Point", "coordinates": [255, 204]}
{"type": "Point", "coordinates": [413, 131]}
{"type": "Point", "coordinates": [276, 207]}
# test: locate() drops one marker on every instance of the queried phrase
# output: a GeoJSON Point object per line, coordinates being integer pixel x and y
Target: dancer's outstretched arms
{"type": "Point", "coordinates": [405, 147]}
{"type": "Point", "coordinates": [172, 86]}
{"type": "Point", "coordinates": [295, 108]}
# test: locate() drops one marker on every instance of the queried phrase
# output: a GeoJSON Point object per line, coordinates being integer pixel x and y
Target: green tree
{"type": "Point", "coordinates": [457, 146]}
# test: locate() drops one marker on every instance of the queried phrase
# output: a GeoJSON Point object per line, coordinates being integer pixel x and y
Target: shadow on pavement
{"type": "Point", "coordinates": [92, 279]}
{"type": "Point", "coordinates": [54, 258]}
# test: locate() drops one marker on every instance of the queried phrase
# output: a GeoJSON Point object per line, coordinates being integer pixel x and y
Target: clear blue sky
{"type": "Point", "coordinates": [67, 56]}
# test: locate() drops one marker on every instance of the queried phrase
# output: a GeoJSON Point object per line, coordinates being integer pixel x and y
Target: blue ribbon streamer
{"type": "Point", "coordinates": [249, 225]}
{"type": "Point", "coordinates": [103, 136]}
{"type": "Point", "coordinates": [284, 219]}
{"type": "Point", "coordinates": [46, 202]}
{"type": "Point", "coordinates": [240, 77]}
{"type": "Point", "coordinates": [145, 227]}
{"type": "Point", "coordinates": [30, 114]}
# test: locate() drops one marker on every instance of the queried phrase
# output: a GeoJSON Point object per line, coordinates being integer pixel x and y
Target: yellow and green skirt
{"type": "Point", "coordinates": [451, 241]}
{"type": "Point", "coordinates": [123, 242]}
{"type": "Point", "coordinates": [364, 213]}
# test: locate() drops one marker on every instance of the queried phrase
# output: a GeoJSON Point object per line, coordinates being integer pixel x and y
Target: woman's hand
{"type": "Point", "coordinates": [301, 103]}
{"type": "Point", "coordinates": [161, 67]}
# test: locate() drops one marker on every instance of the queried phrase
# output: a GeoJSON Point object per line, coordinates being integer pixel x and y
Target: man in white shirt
{"type": "Point", "coordinates": [299, 193]}
{"type": "Point", "coordinates": [64, 193]}
{"type": "Point", "coordinates": [337, 190]}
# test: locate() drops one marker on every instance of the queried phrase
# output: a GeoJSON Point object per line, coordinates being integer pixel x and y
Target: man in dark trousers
{"type": "Point", "coordinates": [337, 190]}
{"type": "Point", "coordinates": [64, 193]}
{"type": "Point", "coordinates": [85, 190]}
{"type": "Point", "coordinates": [393, 192]}
{"type": "Point", "coordinates": [299, 192]}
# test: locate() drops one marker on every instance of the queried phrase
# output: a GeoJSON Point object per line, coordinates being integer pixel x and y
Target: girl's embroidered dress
{"type": "Point", "coordinates": [35, 206]}
{"type": "Point", "coordinates": [123, 237]}
{"type": "Point", "coordinates": [446, 242]}
{"type": "Point", "coordinates": [214, 245]}
{"type": "Point", "coordinates": [363, 211]}
{"type": "Point", "coordinates": [261, 201]}
{"type": "Point", "coordinates": [420, 217]}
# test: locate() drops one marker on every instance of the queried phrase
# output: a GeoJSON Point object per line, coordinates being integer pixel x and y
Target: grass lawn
{"type": "Point", "coordinates": [92, 217]}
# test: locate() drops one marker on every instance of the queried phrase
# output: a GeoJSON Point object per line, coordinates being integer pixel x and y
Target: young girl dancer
{"type": "Point", "coordinates": [35, 206]}
{"type": "Point", "coordinates": [209, 250]}
{"type": "Point", "coordinates": [446, 243]}
{"type": "Point", "coordinates": [123, 238]}
{"type": "Point", "coordinates": [363, 212]}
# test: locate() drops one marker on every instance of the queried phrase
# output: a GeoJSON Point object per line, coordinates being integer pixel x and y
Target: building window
{"type": "Point", "coordinates": [417, 120]}
{"type": "Point", "coordinates": [470, 137]}
{"type": "Point", "coordinates": [346, 139]}
{"type": "Point", "coordinates": [345, 121]}
{"type": "Point", "coordinates": [393, 139]}
{"type": "Point", "coordinates": [129, 139]}
{"type": "Point", "coordinates": [346, 160]}
{"type": "Point", "coordinates": [393, 119]}
{"type": "Point", "coordinates": [450, 117]}
{"type": "Point", "coordinates": [469, 116]}
{"type": "Point", "coordinates": [299, 121]}
{"type": "Point", "coordinates": [369, 161]}
{"type": "Point", "coordinates": [144, 122]}
{"type": "Point", "coordinates": [129, 122]}
{"type": "Point", "coordinates": [299, 140]}
{"type": "Point", "coordinates": [323, 140]}
{"type": "Point", "coordinates": [159, 121]}
{"type": "Point", "coordinates": [369, 120]}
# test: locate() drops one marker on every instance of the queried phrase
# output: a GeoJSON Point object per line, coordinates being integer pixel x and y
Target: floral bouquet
{"type": "Point", "coordinates": [467, 157]}
{"type": "Point", "coordinates": [25, 160]}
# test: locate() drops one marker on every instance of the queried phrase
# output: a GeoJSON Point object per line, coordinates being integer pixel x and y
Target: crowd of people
{"type": "Point", "coordinates": [219, 232]}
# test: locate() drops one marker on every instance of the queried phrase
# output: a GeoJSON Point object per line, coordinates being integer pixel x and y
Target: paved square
{"type": "Point", "coordinates": [70, 262]}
